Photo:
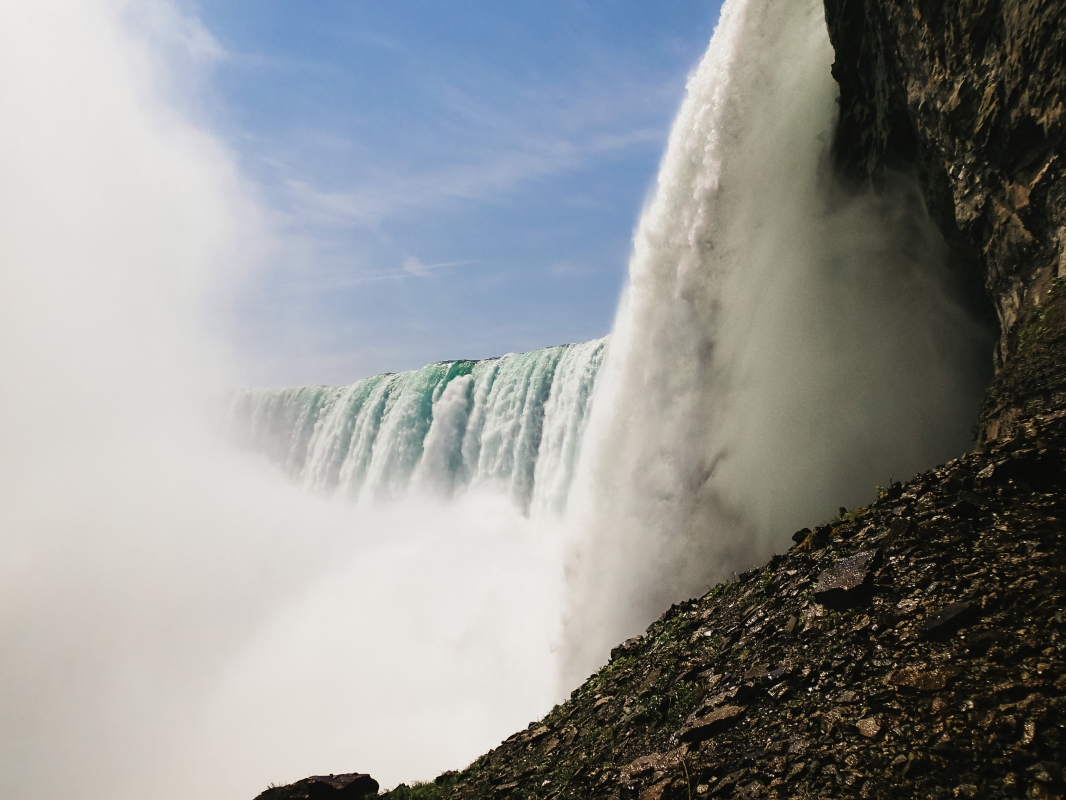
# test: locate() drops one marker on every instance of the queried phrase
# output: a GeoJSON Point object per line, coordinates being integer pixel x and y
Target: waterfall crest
{"type": "Point", "coordinates": [513, 423]}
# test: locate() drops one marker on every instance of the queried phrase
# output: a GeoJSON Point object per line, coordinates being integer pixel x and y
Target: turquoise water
{"type": "Point", "coordinates": [513, 423]}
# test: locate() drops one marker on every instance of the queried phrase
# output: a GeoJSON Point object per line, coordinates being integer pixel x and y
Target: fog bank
{"type": "Point", "coordinates": [175, 620]}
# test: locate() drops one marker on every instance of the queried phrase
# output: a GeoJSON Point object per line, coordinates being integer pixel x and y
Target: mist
{"type": "Point", "coordinates": [784, 344]}
{"type": "Point", "coordinates": [176, 619]}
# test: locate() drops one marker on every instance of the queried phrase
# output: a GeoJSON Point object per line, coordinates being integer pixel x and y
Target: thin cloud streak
{"type": "Point", "coordinates": [396, 194]}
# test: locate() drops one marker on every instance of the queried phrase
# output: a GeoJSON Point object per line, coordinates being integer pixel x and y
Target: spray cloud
{"type": "Point", "coordinates": [175, 620]}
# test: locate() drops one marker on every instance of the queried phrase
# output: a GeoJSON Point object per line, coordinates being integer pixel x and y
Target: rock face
{"type": "Point", "coordinates": [970, 95]}
{"type": "Point", "coordinates": [917, 647]}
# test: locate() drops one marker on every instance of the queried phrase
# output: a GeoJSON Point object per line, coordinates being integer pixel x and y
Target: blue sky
{"type": "Point", "coordinates": [445, 180]}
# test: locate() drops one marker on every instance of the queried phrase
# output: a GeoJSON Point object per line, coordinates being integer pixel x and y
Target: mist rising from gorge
{"type": "Point", "coordinates": [177, 620]}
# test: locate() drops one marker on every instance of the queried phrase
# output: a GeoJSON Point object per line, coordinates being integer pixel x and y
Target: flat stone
{"type": "Point", "coordinates": [758, 671]}
{"type": "Point", "coordinates": [845, 578]}
{"type": "Point", "coordinates": [347, 786]}
{"type": "Point", "coordinates": [869, 727]}
{"type": "Point", "coordinates": [948, 619]}
{"type": "Point", "coordinates": [775, 675]}
{"type": "Point", "coordinates": [628, 646]}
{"type": "Point", "coordinates": [653, 762]}
{"type": "Point", "coordinates": [707, 726]}
{"type": "Point", "coordinates": [921, 681]}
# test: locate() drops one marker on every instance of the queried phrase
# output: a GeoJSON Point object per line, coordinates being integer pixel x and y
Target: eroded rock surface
{"type": "Point", "coordinates": [347, 786]}
{"type": "Point", "coordinates": [970, 95]}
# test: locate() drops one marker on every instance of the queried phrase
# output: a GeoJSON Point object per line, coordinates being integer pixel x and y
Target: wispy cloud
{"type": "Point", "coordinates": [383, 194]}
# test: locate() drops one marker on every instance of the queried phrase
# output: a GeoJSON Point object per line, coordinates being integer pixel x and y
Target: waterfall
{"type": "Point", "coordinates": [513, 424]}
{"type": "Point", "coordinates": [784, 344]}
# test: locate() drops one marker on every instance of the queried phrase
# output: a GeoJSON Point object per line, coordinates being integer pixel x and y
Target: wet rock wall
{"type": "Point", "coordinates": [969, 95]}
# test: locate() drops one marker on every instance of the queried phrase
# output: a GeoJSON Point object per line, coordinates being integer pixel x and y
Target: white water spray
{"type": "Point", "coordinates": [175, 620]}
{"type": "Point", "coordinates": [780, 349]}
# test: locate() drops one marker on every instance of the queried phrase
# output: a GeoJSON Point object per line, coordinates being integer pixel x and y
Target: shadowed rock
{"type": "Point", "coordinates": [948, 620]}
{"type": "Point", "coordinates": [349, 786]}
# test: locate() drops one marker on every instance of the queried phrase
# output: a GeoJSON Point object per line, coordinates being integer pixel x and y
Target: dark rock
{"type": "Point", "coordinates": [348, 786]}
{"type": "Point", "coordinates": [444, 777]}
{"type": "Point", "coordinates": [758, 671]}
{"type": "Point", "coordinates": [964, 509]}
{"type": "Point", "coordinates": [1041, 470]}
{"type": "Point", "coordinates": [922, 680]}
{"type": "Point", "coordinates": [948, 619]}
{"type": "Point", "coordinates": [705, 727]}
{"type": "Point", "coordinates": [628, 646]}
{"type": "Point", "coordinates": [818, 539]}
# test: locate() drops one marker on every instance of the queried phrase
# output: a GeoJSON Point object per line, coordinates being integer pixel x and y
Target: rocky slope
{"type": "Point", "coordinates": [915, 648]}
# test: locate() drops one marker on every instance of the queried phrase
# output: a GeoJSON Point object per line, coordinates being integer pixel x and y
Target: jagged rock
{"type": "Point", "coordinates": [868, 727]}
{"type": "Point", "coordinates": [921, 680]}
{"type": "Point", "coordinates": [349, 786]}
{"type": "Point", "coordinates": [706, 726]}
{"type": "Point", "coordinates": [949, 619]}
{"type": "Point", "coordinates": [846, 580]}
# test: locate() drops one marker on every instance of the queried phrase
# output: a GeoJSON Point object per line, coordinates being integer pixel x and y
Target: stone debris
{"type": "Point", "coordinates": [869, 727]}
{"type": "Point", "coordinates": [944, 676]}
{"type": "Point", "coordinates": [706, 726]}
{"type": "Point", "coordinates": [921, 680]}
{"type": "Point", "coordinates": [948, 619]}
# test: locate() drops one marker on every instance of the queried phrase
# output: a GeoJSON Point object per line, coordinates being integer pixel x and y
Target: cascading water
{"type": "Point", "coordinates": [512, 423]}
{"type": "Point", "coordinates": [783, 344]}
